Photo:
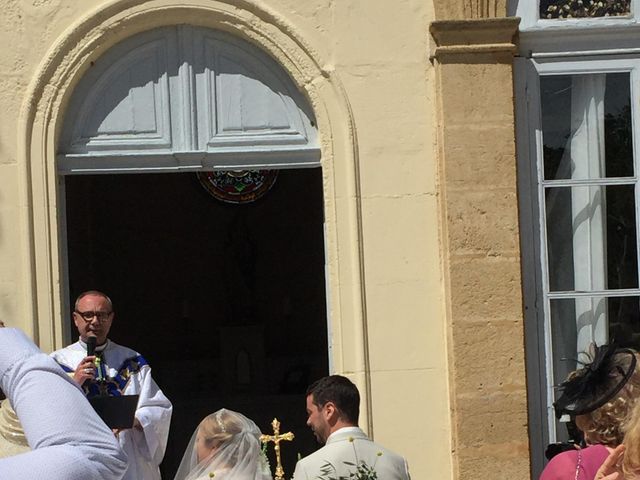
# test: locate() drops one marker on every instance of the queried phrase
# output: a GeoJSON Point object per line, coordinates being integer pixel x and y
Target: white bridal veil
{"type": "Point", "coordinates": [230, 445]}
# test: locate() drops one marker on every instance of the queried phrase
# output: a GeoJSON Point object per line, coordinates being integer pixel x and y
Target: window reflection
{"type": "Point", "coordinates": [591, 238]}
{"type": "Point", "coordinates": [586, 126]}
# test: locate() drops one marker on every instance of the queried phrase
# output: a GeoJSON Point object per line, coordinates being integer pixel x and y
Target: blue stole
{"type": "Point", "coordinates": [111, 386]}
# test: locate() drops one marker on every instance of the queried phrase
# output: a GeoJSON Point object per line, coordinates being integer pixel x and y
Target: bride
{"type": "Point", "coordinates": [225, 446]}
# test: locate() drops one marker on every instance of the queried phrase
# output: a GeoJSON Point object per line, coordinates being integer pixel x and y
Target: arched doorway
{"type": "Point", "coordinates": [226, 301]}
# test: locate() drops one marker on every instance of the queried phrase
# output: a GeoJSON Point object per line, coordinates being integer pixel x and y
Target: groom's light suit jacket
{"type": "Point", "coordinates": [353, 446]}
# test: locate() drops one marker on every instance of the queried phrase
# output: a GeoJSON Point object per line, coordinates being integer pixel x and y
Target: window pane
{"type": "Point", "coordinates": [591, 238]}
{"type": "Point", "coordinates": [586, 126]}
{"type": "Point", "coordinates": [584, 8]}
{"type": "Point", "coordinates": [575, 323]}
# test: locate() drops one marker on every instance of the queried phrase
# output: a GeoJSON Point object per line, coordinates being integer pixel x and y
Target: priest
{"type": "Point", "coordinates": [115, 370]}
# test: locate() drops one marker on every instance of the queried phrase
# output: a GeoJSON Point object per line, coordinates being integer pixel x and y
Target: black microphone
{"type": "Point", "coordinates": [91, 346]}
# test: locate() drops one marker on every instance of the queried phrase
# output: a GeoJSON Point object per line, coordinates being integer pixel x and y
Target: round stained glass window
{"type": "Point", "coordinates": [238, 186]}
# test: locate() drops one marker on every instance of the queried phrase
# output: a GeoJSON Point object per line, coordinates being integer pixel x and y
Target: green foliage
{"type": "Point", "coordinates": [263, 456]}
{"type": "Point", "coordinates": [358, 470]}
{"type": "Point", "coordinates": [584, 8]}
{"type": "Point", "coordinates": [362, 472]}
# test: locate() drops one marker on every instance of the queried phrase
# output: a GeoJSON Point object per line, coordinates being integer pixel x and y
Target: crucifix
{"type": "Point", "coordinates": [276, 438]}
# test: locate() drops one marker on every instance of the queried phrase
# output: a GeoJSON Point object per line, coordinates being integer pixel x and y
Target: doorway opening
{"type": "Point", "coordinates": [226, 302]}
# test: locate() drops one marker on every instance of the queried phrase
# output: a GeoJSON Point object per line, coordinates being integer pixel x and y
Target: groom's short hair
{"type": "Point", "coordinates": [341, 392]}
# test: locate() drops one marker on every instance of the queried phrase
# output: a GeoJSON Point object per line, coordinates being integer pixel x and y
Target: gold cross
{"type": "Point", "coordinates": [276, 438]}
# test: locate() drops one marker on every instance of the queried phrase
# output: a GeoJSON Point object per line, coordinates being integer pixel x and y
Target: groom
{"type": "Point", "coordinates": [333, 407]}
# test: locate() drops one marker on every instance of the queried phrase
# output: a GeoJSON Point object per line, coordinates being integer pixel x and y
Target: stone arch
{"type": "Point", "coordinates": [40, 125]}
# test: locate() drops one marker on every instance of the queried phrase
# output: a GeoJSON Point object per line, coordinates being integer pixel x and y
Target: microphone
{"type": "Point", "coordinates": [91, 350]}
{"type": "Point", "coordinates": [91, 346]}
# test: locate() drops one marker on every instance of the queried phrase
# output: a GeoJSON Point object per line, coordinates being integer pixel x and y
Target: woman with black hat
{"type": "Point", "coordinates": [600, 398]}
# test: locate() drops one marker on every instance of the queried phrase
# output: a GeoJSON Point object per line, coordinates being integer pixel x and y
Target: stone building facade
{"type": "Point", "coordinates": [415, 113]}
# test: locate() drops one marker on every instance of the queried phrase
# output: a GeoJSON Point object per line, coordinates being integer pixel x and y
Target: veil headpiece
{"type": "Point", "coordinates": [236, 454]}
{"type": "Point", "coordinates": [597, 382]}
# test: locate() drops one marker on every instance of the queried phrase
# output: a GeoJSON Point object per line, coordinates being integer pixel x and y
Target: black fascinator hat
{"type": "Point", "coordinates": [593, 385]}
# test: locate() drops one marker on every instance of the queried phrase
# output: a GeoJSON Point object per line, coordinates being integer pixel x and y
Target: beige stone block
{"type": "Point", "coordinates": [345, 233]}
{"type": "Point", "coordinates": [347, 344]}
{"type": "Point", "coordinates": [390, 109]}
{"type": "Point", "coordinates": [488, 357]}
{"type": "Point", "coordinates": [9, 301]}
{"type": "Point", "coordinates": [27, 29]}
{"type": "Point", "coordinates": [412, 418]}
{"type": "Point", "coordinates": [315, 18]}
{"type": "Point", "coordinates": [367, 31]}
{"type": "Point", "coordinates": [477, 156]}
{"type": "Point", "coordinates": [470, 9]}
{"type": "Point", "coordinates": [11, 95]}
{"type": "Point", "coordinates": [480, 94]}
{"type": "Point", "coordinates": [445, 10]}
{"type": "Point", "coordinates": [50, 18]}
{"type": "Point", "coordinates": [12, 28]}
{"type": "Point", "coordinates": [485, 288]}
{"type": "Point", "coordinates": [401, 238]}
{"type": "Point", "coordinates": [405, 327]}
{"type": "Point", "coordinates": [483, 222]}
{"type": "Point", "coordinates": [10, 248]}
{"type": "Point", "coordinates": [489, 419]}
{"type": "Point", "coordinates": [503, 462]}
{"type": "Point", "coordinates": [10, 223]}
{"type": "Point", "coordinates": [392, 170]}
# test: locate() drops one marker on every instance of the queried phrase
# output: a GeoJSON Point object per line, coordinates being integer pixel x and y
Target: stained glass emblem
{"type": "Point", "coordinates": [238, 186]}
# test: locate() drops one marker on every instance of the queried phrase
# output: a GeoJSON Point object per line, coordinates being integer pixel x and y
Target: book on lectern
{"type": "Point", "coordinates": [116, 412]}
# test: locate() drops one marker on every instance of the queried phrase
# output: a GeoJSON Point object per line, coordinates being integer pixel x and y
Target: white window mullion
{"type": "Point", "coordinates": [635, 125]}
{"type": "Point", "coordinates": [535, 117]}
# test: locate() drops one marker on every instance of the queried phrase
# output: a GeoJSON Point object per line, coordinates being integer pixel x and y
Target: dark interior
{"type": "Point", "coordinates": [226, 302]}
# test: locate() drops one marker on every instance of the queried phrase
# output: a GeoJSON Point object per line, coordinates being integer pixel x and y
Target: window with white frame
{"type": "Point", "coordinates": [586, 189]}
{"type": "Point", "coordinates": [577, 82]}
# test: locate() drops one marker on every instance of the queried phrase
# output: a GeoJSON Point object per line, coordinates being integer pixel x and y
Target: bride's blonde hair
{"type": "Point", "coordinates": [219, 427]}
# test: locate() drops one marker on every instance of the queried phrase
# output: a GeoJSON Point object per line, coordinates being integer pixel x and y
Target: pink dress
{"type": "Point", "coordinates": [576, 464]}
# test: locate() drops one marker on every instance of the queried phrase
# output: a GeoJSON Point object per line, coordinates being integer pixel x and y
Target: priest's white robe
{"type": "Point", "coordinates": [127, 373]}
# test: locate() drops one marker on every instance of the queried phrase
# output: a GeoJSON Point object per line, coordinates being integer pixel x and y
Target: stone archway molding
{"type": "Point", "coordinates": [40, 123]}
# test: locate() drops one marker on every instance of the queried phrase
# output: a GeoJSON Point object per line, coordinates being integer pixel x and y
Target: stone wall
{"type": "Point", "coordinates": [480, 239]}
{"type": "Point", "coordinates": [364, 67]}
